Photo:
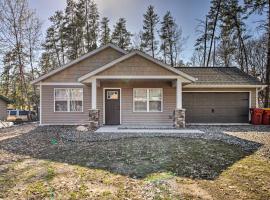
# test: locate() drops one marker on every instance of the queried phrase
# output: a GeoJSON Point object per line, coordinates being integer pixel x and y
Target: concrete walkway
{"type": "Point", "coordinates": [120, 129]}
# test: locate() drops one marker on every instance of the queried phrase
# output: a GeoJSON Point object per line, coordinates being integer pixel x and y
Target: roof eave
{"type": "Point", "coordinates": [226, 86]}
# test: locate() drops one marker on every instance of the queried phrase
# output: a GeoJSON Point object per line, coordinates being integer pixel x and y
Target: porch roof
{"type": "Point", "coordinates": [174, 73]}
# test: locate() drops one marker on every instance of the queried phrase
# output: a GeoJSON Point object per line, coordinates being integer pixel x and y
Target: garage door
{"type": "Point", "coordinates": [216, 107]}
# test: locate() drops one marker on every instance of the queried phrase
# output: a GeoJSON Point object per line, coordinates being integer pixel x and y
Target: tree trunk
{"type": "Point", "coordinates": [205, 41]}
{"type": "Point", "coordinates": [213, 33]}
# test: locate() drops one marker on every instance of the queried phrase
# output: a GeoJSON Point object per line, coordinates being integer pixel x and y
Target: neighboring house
{"type": "Point", "coordinates": [3, 107]}
{"type": "Point", "coordinates": [112, 86]}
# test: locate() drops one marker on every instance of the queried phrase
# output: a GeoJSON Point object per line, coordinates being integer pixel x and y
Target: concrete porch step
{"type": "Point", "coordinates": [118, 129]}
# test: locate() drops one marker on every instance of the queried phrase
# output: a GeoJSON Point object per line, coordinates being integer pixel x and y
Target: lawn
{"type": "Point", "coordinates": [36, 163]}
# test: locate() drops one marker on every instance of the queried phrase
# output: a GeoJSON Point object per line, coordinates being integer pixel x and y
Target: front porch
{"type": "Point", "coordinates": [106, 110]}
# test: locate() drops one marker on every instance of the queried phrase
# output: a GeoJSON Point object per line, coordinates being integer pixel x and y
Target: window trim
{"type": "Point", "coordinates": [68, 101]}
{"type": "Point", "coordinates": [147, 101]}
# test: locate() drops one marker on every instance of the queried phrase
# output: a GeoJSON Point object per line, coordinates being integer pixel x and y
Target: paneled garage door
{"type": "Point", "coordinates": [216, 107]}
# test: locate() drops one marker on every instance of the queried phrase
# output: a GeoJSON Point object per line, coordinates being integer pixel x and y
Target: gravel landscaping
{"type": "Point", "coordinates": [63, 163]}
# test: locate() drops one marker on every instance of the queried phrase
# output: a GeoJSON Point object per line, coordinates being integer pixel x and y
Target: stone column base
{"type": "Point", "coordinates": [94, 117]}
{"type": "Point", "coordinates": [179, 118]}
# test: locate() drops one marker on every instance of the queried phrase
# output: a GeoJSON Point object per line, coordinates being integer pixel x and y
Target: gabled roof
{"type": "Point", "coordinates": [5, 99]}
{"type": "Point", "coordinates": [133, 53]}
{"type": "Point", "coordinates": [219, 76]}
{"type": "Point", "coordinates": [78, 60]}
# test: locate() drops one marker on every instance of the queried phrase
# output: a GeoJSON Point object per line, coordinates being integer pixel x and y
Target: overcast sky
{"type": "Point", "coordinates": [184, 11]}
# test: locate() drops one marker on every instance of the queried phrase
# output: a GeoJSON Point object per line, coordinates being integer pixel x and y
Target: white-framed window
{"type": "Point", "coordinates": [68, 99]}
{"type": "Point", "coordinates": [147, 100]}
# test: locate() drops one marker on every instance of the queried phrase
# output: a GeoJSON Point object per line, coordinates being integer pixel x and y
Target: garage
{"type": "Point", "coordinates": [216, 107]}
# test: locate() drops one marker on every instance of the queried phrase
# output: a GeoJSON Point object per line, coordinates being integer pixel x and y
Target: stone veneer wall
{"type": "Point", "coordinates": [179, 120]}
{"type": "Point", "coordinates": [94, 118]}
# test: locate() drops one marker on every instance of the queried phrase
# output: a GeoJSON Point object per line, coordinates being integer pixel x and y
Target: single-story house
{"type": "Point", "coordinates": [3, 107]}
{"type": "Point", "coordinates": [110, 86]}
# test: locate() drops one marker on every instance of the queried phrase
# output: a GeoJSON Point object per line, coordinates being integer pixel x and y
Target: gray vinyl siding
{"type": "Point", "coordinates": [51, 117]}
{"type": "Point", "coordinates": [3, 110]}
{"type": "Point", "coordinates": [128, 116]}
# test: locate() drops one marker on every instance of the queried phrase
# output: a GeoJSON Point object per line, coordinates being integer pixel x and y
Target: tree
{"type": "Point", "coordinates": [92, 25]}
{"type": "Point", "coordinates": [171, 39]}
{"type": "Point", "coordinates": [149, 42]}
{"type": "Point", "coordinates": [121, 36]}
{"type": "Point", "coordinates": [201, 41]}
{"type": "Point", "coordinates": [212, 24]}
{"type": "Point", "coordinates": [105, 31]}
{"type": "Point", "coordinates": [72, 31]}
{"type": "Point", "coordinates": [263, 7]}
{"type": "Point", "coordinates": [232, 20]}
{"type": "Point", "coordinates": [19, 36]}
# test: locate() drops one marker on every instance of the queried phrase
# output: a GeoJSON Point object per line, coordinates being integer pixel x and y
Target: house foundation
{"type": "Point", "coordinates": [179, 119]}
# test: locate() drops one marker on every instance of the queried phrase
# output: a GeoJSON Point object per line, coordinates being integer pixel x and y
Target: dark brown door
{"type": "Point", "coordinates": [216, 107]}
{"type": "Point", "coordinates": [112, 106]}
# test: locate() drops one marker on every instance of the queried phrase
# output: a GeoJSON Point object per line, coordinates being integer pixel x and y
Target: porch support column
{"type": "Point", "coordinates": [94, 94]}
{"type": "Point", "coordinates": [94, 113]}
{"type": "Point", "coordinates": [179, 112]}
{"type": "Point", "coordinates": [178, 94]}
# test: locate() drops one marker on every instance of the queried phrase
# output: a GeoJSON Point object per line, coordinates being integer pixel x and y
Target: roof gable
{"type": "Point", "coordinates": [79, 60]}
{"type": "Point", "coordinates": [137, 63]}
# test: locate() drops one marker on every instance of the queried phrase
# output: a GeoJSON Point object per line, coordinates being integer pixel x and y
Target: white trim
{"type": "Point", "coordinates": [78, 60]}
{"type": "Point", "coordinates": [136, 52]}
{"type": "Point", "coordinates": [94, 94]}
{"type": "Point", "coordinates": [223, 86]}
{"type": "Point", "coordinates": [218, 91]}
{"type": "Point", "coordinates": [40, 104]}
{"type": "Point", "coordinates": [135, 77]}
{"type": "Point", "coordinates": [63, 83]}
{"type": "Point", "coordinates": [147, 100]}
{"type": "Point", "coordinates": [178, 94]}
{"type": "Point", "coordinates": [68, 102]}
{"type": "Point", "coordinates": [104, 113]}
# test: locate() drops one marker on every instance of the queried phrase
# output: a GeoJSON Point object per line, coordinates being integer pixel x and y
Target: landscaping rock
{"type": "Point", "coordinates": [82, 128]}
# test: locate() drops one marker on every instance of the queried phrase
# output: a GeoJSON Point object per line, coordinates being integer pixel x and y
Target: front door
{"type": "Point", "coordinates": [112, 106]}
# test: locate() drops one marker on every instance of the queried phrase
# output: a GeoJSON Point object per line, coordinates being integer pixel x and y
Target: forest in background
{"type": "Point", "coordinates": [223, 40]}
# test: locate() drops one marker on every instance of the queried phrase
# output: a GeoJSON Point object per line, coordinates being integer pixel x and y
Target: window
{"type": "Point", "coordinates": [147, 100]}
{"type": "Point", "coordinates": [112, 95]}
{"type": "Point", "coordinates": [68, 99]}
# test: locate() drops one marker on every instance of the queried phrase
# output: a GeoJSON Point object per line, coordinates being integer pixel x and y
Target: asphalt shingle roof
{"type": "Point", "coordinates": [219, 76]}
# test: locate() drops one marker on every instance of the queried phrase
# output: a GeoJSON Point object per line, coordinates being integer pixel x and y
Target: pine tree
{"type": "Point", "coordinates": [170, 36]}
{"type": "Point", "coordinates": [92, 25]}
{"type": "Point", "coordinates": [232, 22]}
{"type": "Point", "coordinates": [213, 17]}
{"type": "Point", "coordinates": [149, 43]}
{"type": "Point", "coordinates": [105, 31]}
{"type": "Point", "coordinates": [201, 41]}
{"type": "Point", "coordinates": [121, 36]}
{"type": "Point", "coordinates": [70, 31]}
{"type": "Point", "coordinates": [55, 42]}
